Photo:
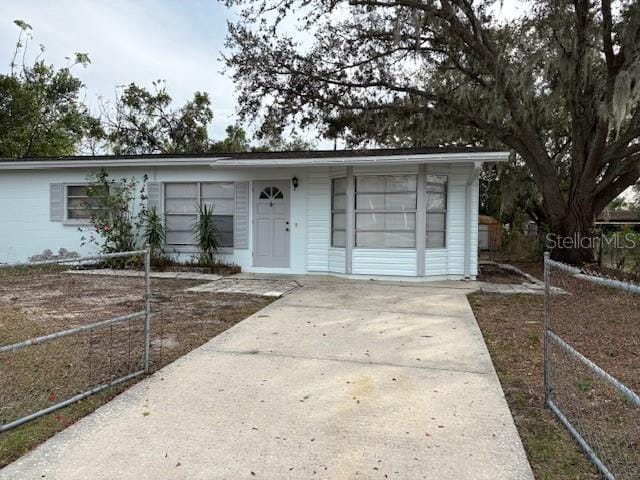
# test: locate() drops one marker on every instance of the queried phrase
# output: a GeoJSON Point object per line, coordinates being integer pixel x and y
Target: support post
{"type": "Point", "coordinates": [147, 306]}
{"type": "Point", "coordinates": [548, 388]}
{"type": "Point", "coordinates": [469, 225]}
{"type": "Point", "coordinates": [350, 226]}
{"type": "Point", "coordinates": [421, 220]}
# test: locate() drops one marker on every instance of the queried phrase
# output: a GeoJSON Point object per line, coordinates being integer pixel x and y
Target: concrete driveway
{"type": "Point", "coordinates": [338, 380]}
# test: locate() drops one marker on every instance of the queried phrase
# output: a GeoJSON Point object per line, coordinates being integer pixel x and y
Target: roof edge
{"type": "Point", "coordinates": [257, 160]}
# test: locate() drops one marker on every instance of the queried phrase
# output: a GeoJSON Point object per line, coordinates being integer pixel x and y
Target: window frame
{"type": "Point", "coordinates": [440, 211]}
{"type": "Point", "coordinates": [74, 221]}
{"type": "Point", "coordinates": [413, 211]}
{"type": "Point", "coordinates": [193, 247]}
{"type": "Point", "coordinates": [335, 211]}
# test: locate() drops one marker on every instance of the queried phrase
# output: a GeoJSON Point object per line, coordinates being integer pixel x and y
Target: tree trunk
{"type": "Point", "coordinates": [571, 238]}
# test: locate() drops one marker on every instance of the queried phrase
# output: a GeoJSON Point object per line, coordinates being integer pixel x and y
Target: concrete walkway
{"type": "Point", "coordinates": [257, 285]}
{"type": "Point", "coordinates": [337, 380]}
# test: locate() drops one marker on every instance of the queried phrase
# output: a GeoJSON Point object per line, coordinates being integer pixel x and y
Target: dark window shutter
{"type": "Point", "coordinates": [241, 230]}
{"type": "Point", "coordinates": [56, 202]}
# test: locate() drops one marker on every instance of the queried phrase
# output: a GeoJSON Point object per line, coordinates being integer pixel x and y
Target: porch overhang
{"type": "Point", "coordinates": [475, 157]}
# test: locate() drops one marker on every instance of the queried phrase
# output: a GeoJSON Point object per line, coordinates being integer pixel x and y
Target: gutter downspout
{"type": "Point", "coordinates": [468, 217]}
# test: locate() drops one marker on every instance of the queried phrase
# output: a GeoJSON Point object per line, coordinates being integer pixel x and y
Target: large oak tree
{"type": "Point", "coordinates": [560, 85]}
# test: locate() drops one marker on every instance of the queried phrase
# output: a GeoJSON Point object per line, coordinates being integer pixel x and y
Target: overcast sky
{"type": "Point", "coordinates": [131, 41]}
{"type": "Point", "coordinates": [136, 41]}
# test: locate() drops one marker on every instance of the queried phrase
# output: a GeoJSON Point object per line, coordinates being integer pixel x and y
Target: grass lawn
{"type": "Point", "coordinates": [46, 301]}
{"type": "Point", "coordinates": [512, 328]}
{"type": "Point", "coordinates": [601, 323]}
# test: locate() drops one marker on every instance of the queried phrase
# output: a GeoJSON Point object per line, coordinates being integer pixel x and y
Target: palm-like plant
{"type": "Point", "coordinates": [206, 234]}
{"type": "Point", "coordinates": [154, 232]}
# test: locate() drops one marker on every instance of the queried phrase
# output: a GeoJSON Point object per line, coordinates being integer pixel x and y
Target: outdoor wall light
{"type": "Point", "coordinates": [294, 182]}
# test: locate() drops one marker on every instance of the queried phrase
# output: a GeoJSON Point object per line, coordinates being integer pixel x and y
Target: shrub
{"type": "Point", "coordinates": [153, 233]}
{"type": "Point", "coordinates": [118, 212]}
{"type": "Point", "coordinates": [206, 235]}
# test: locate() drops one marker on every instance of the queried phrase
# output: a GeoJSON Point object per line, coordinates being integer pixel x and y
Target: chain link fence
{"type": "Point", "coordinates": [64, 337]}
{"type": "Point", "coordinates": [592, 350]}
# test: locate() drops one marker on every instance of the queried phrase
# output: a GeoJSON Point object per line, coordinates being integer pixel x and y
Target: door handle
{"type": "Point", "coordinates": [286, 229]}
{"type": "Point", "coordinates": [287, 223]}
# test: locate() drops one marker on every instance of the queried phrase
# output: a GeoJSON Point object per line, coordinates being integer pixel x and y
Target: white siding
{"type": "Point", "coordinates": [26, 229]}
{"type": "Point", "coordinates": [336, 260]}
{"type": "Point", "coordinates": [456, 218]}
{"type": "Point", "coordinates": [475, 206]}
{"type": "Point", "coordinates": [387, 261]}
{"type": "Point", "coordinates": [319, 219]}
{"type": "Point", "coordinates": [450, 260]}
{"type": "Point", "coordinates": [435, 262]}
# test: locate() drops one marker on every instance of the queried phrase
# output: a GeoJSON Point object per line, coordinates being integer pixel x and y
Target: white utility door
{"type": "Point", "coordinates": [271, 223]}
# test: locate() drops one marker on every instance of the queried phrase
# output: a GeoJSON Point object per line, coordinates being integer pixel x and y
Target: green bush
{"type": "Point", "coordinates": [153, 233]}
{"type": "Point", "coordinates": [120, 220]}
{"type": "Point", "coordinates": [117, 212]}
{"type": "Point", "coordinates": [206, 235]}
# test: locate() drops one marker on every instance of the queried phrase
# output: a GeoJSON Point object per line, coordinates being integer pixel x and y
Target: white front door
{"type": "Point", "coordinates": [271, 223]}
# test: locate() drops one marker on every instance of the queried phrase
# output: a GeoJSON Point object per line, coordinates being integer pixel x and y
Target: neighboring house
{"type": "Point", "coordinates": [403, 212]}
{"type": "Point", "coordinates": [618, 219]}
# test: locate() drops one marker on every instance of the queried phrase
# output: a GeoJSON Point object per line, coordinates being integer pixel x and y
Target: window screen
{"type": "Point", "coordinates": [436, 197]}
{"type": "Point", "coordinates": [181, 201]}
{"type": "Point", "coordinates": [78, 204]}
{"type": "Point", "coordinates": [339, 212]}
{"type": "Point", "coordinates": [385, 210]}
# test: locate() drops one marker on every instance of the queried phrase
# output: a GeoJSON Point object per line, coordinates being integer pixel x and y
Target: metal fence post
{"type": "Point", "coordinates": [548, 387]}
{"type": "Point", "coordinates": [147, 305]}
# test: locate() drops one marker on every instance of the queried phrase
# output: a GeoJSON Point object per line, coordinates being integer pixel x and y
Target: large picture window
{"type": "Point", "coordinates": [339, 212]}
{"type": "Point", "coordinates": [385, 211]}
{"type": "Point", "coordinates": [181, 201]}
{"type": "Point", "coordinates": [436, 196]}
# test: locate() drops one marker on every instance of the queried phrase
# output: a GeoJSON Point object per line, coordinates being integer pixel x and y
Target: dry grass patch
{"type": "Point", "coordinates": [604, 325]}
{"type": "Point", "coordinates": [44, 301]}
{"type": "Point", "coordinates": [513, 330]}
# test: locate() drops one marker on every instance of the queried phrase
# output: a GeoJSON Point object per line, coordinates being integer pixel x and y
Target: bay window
{"type": "Point", "coordinates": [385, 211]}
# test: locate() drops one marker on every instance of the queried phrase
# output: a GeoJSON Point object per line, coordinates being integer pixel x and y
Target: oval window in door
{"type": "Point", "coordinates": [271, 193]}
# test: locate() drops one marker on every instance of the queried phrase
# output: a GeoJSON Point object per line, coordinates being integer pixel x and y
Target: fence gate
{"type": "Point", "coordinates": [64, 337]}
{"type": "Point", "coordinates": [591, 364]}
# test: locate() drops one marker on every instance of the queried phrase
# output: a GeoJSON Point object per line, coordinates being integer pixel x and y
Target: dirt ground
{"type": "Point", "coordinates": [494, 274]}
{"type": "Point", "coordinates": [602, 324]}
{"type": "Point", "coordinates": [47, 300]}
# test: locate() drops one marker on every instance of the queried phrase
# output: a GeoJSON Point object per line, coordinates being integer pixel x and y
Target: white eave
{"type": "Point", "coordinates": [464, 157]}
{"type": "Point", "coordinates": [366, 160]}
{"type": "Point", "coordinates": [104, 162]}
